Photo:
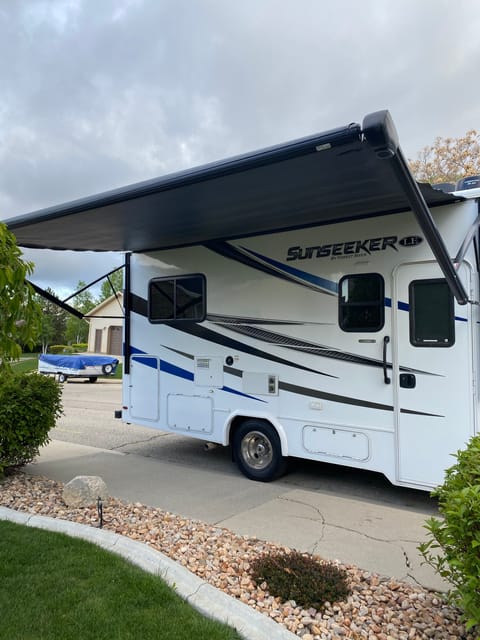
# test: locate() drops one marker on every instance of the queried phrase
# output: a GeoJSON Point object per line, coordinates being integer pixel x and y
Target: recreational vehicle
{"type": "Point", "coordinates": [309, 300]}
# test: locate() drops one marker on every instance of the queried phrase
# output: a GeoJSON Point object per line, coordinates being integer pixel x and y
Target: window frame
{"type": "Point", "coordinates": [175, 280]}
{"type": "Point", "coordinates": [411, 306]}
{"type": "Point", "coordinates": [344, 305]}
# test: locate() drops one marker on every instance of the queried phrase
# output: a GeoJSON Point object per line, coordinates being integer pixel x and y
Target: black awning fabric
{"type": "Point", "coordinates": [329, 177]}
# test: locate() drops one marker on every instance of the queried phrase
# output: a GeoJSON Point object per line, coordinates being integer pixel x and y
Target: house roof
{"type": "Point", "coordinates": [116, 298]}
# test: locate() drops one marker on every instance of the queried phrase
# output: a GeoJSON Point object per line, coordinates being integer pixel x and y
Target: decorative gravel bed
{"type": "Point", "coordinates": [378, 609]}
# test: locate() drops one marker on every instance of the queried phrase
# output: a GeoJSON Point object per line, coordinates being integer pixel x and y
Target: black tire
{"type": "Point", "coordinates": [257, 451]}
{"type": "Point", "coordinates": [107, 368]}
{"type": "Point", "coordinates": [61, 377]}
{"type": "Point", "coordinates": [92, 379]}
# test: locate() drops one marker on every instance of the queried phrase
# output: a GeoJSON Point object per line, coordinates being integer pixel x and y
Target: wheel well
{"type": "Point", "coordinates": [238, 420]}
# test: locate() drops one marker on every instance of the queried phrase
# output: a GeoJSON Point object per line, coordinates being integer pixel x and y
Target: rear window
{"type": "Point", "coordinates": [177, 299]}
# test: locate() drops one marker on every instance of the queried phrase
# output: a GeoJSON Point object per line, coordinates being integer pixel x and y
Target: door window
{"type": "Point", "coordinates": [432, 321]}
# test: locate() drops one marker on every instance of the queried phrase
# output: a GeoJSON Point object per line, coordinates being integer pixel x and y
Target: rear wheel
{"type": "Point", "coordinates": [107, 368]}
{"type": "Point", "coordinates": [92, 379]}
{"type": "Point", "coordinates": [61, 377]}
{"type": "Point", "coordinates": [257, 451]}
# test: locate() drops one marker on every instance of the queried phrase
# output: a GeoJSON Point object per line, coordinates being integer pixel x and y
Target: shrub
{"type": "Point", "coordinates": [300, 577]}
{"type": "Point", "coordinates": [453, 549]}
{"type": "Point", "coordinates": [60, 348]}
{"type": "Point", "coordinates": [80, 346]}
{"type": "Point", "coordinates": [29, 407]}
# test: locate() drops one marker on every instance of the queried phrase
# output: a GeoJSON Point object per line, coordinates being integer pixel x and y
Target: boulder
{"type": "Point", "coordinates": [83, 491]}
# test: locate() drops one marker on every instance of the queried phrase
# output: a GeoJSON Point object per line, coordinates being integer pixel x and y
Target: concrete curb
{"type": "Point", "coordinates": [209, 601]}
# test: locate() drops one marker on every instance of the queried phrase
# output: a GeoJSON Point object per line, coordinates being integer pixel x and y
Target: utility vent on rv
{"type": "Point", "coordinates": [470, 182]}
{"type": "Point", "coordinates": [208, 371]}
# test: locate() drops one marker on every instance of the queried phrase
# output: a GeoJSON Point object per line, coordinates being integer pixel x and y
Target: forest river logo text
{"type": "Point", "coordinates": [352, 248]}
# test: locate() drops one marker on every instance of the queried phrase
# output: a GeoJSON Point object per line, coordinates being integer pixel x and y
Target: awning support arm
{"type": "Point", "coordinates": [380, 133]}
{"type": "Point", "coordinates": [469, 238]}
{"type": "Point", "coordinates": [60, 303]}
{"type": "Point", "coordinates": [90, 284]}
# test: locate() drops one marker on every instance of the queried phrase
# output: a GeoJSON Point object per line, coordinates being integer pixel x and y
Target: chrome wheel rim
{"type": "Point", "coordinates": [257, 450]}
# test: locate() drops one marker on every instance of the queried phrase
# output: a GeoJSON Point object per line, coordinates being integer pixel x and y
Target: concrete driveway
{"type": "Point", "coordinates": [339, 513]}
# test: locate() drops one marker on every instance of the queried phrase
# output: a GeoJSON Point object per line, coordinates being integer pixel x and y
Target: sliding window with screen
{"type": "Point", "coordinates": [361, 302]}
{"type": "Point", "coordinates": [177, 299]}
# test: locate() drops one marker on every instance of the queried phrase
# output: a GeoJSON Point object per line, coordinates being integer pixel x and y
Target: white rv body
{"type": "Point", "coordinates": [271, 347]}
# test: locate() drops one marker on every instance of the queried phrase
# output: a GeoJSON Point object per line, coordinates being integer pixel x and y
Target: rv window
{"type": "Point", "coordinates": [361, 302]}
{"type": "Point", "coordinates": [171, 299]}
{"type": "Point", "coordinates": [432, 321]}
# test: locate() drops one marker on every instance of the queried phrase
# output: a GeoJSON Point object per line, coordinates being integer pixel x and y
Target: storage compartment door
{"type": "Point", "coordinates": [145, 387]}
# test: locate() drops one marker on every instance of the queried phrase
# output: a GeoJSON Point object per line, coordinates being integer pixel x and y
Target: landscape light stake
{"type": "Point", "coordinates": [100, 512]}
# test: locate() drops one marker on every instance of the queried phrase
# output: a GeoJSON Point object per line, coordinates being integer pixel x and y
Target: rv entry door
{"type": "Point", "coordinates": [432, 373]}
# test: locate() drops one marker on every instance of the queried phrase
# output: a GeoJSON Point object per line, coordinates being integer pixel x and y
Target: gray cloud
{"type": "Point", "coordinates": [97, 95]}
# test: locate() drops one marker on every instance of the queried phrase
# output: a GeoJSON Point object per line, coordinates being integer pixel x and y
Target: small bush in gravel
{"type": "Point", "coordinates": [453, 549]}
{"type": "Point", "coordinates": [297, 576]}
{"type": "Point", "coordinates": [29, 407]}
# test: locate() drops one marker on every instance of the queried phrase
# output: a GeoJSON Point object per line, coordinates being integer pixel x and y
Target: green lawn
{"type": "Point", "coordinates": [56, 587]}
{"type": "Point", "coordinates": [28, 362]}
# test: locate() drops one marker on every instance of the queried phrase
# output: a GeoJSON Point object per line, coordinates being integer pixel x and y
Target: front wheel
{"type": "Point", "coordinates": [107, 369]}
{"type": "Point", "coordinates": [257, 451]}
{"type": "Point", "coordinates": [61, 377]}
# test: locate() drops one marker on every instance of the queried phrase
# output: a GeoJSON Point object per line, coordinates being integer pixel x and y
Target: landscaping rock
{"type": "Point", "coordinates": [375, 610]}
{"type": "Point", "coordinates": [83, 491]}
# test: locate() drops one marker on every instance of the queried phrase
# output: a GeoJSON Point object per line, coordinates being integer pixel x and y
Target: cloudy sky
{"type": "Point", "coordinates": [97, 94]}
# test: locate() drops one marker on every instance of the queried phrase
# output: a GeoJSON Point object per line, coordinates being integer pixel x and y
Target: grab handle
{"type": "Point", "coordinates": [386, 379]}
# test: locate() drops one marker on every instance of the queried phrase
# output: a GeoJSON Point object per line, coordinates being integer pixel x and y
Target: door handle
{"type": "Point", "coordinates": [386, 379]}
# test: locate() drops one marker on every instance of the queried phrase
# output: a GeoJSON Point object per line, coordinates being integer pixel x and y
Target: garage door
{"type": "Point", "coordinates": [115, 341]}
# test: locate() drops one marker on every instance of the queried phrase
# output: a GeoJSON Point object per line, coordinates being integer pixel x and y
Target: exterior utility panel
{"type": "Point", "coordinates": [339, 343]}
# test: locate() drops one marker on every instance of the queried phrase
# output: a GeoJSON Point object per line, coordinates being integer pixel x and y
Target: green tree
{"type": "Point", "coordinates": [116, 280]}
{"type": "Point", "coordinates": [77, 328]}
{"type": "Point", "coordinates": [448, 159]}
{"type": "Point", "coordinates": [20, 314]}
{"type": "Point", "coordinates": [53, 323]}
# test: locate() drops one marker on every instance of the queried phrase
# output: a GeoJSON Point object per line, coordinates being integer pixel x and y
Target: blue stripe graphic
{"type": "Point", "coordinates": [179, 372]}
{"type": "Point", "coordinates": [323, 283]}
{"type": "Point", "coordinates": [173, 370]}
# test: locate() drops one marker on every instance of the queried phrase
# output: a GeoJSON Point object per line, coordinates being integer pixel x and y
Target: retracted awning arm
{"type": "Point", "coordinates": [380, 133]}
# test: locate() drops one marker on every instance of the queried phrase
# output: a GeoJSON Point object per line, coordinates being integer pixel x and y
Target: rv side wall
{"type": "Point", "coordinates": [342, 338]}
